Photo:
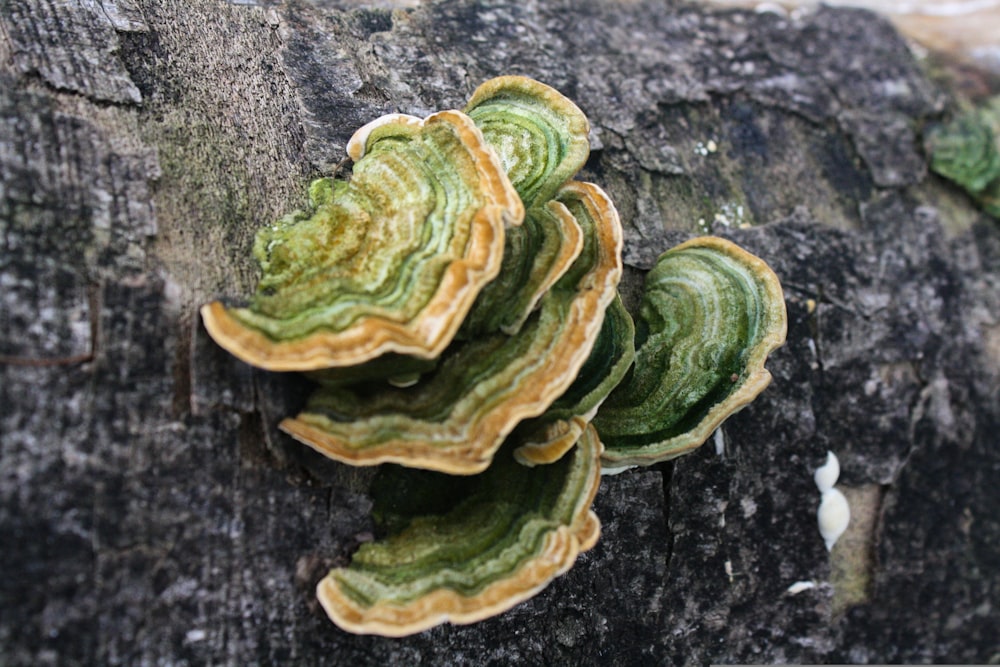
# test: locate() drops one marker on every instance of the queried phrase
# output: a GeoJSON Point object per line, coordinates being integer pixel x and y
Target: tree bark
{"type": "Point", "coordinates": [153, 514]}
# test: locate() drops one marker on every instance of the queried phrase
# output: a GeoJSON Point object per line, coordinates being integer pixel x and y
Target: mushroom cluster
{"type": "Point", "coordinates": [455, 301]}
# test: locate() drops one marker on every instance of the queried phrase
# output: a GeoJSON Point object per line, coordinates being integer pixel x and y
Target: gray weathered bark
{"type": "Point", "coordinates": [152, 514]}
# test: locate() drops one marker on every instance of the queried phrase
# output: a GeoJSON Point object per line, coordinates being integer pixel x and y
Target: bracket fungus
{"type": "Point", "coordinates": [462, 552]}
{"type": "Point", "coordinates": [455, 302]}
{"type": "Point", "coordinates": [390, 261]}
{"type": "Point", "coordinates": [455, 417]}
{"type": "Point", "coordinates": [536, 255]}
{"type": "Point", "coordinates": [541, 140]}
{"type": "Point", "coordinates": [711, 314]}
{"type": "Point", "coordinates": [549, 436]}
{"type": "Point", "coordinates": [539, 134]}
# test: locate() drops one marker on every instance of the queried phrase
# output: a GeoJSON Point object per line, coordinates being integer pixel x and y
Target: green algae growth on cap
{"type": "Point", "coordinates": [966, 150]}
{"type": "Point", "coordinates": [710, 316]}
{"type": "Point", "coordinates": [390, 261]}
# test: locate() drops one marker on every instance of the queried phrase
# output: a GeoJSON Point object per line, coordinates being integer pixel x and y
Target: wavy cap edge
{"type": "Point", "coordinates": [559, 553]}
{"type": "Point", "coordinates": [757, 376]}
{"type": "Point", "coordinates": [424, 337]}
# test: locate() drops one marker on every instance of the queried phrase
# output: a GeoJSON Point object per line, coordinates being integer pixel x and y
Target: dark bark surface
{"type": "Point", "coordinates": [152, 514]}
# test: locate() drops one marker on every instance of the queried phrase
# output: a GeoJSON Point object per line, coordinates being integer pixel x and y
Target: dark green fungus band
{"type": "Point", "coordinates": [536, 255]}
{"type": "Point", "coordinates": [463, 550]}
{"type": "Point", "coordinates": [547, 437]}
{"type": "Point", "coordinates": [455, 417]}
{"type": "Point", "coordinates": [710, 316]}
{"type": "Point", "coordinates": [390, 261]}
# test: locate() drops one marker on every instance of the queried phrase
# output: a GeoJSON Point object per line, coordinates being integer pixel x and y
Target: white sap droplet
{"type": "Point", "coordinates": [833, 516]}
{"type": "Point", "coordinates": [828, 473]}
{"type": "Point", "coordinates": [195, 635]}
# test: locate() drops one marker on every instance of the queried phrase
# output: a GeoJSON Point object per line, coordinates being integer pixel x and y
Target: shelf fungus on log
{"type": "Point", "coordinates": [542, 140]}
{"type": "Point", "coordinates": [710, 315]}
{"type": "Point", "coordinates": [456, 304]}
{"type": "Point", "coordinates": [461, 550]}
{"type": "Point", "coordinates": [536, 255]}
{"type": "Point", "coordinates": [455, 417]}
{"type": "Point", "coordinates": [390, 261]}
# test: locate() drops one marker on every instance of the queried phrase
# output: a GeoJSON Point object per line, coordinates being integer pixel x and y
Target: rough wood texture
{"type": "Point", "coordinates": [151, 512]}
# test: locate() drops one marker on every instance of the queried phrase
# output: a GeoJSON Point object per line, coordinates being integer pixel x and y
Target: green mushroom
{"type": "Point", "coordinates": [710, 316]}
{"type": "Point", "coordinates": [390, 261]}
{"type": "Point", "coordinates": [463, 550]}
{"type": "Point", "coordinates": [540, 136]}
{"type": "Point", "coordinates": [456, 304]}
{"type": "Point", "coordinates": [536, 255]}
{"type": "Point", "coordinates": [456, 416]}
{"type": "Point", "coordinates": [530, 330]}
{"type": "Point", "coordinates": [547, 437]}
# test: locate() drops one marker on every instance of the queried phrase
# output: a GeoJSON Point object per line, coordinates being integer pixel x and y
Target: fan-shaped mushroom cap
{"type": "Point", "coordinates": [549, 441]}
{"type": "Point", "coordinates": [463, 550]}
{"type": "Point", "coordinates": [711, 314]}
{"type": "Point", "coordinates": [390, 261]}
{"type": "Point", "coordinates": [539, 134]}
{"type": "Point", "coordinates": [456, 416]}
{"type": "Point", "coordinates": [542, 140]}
